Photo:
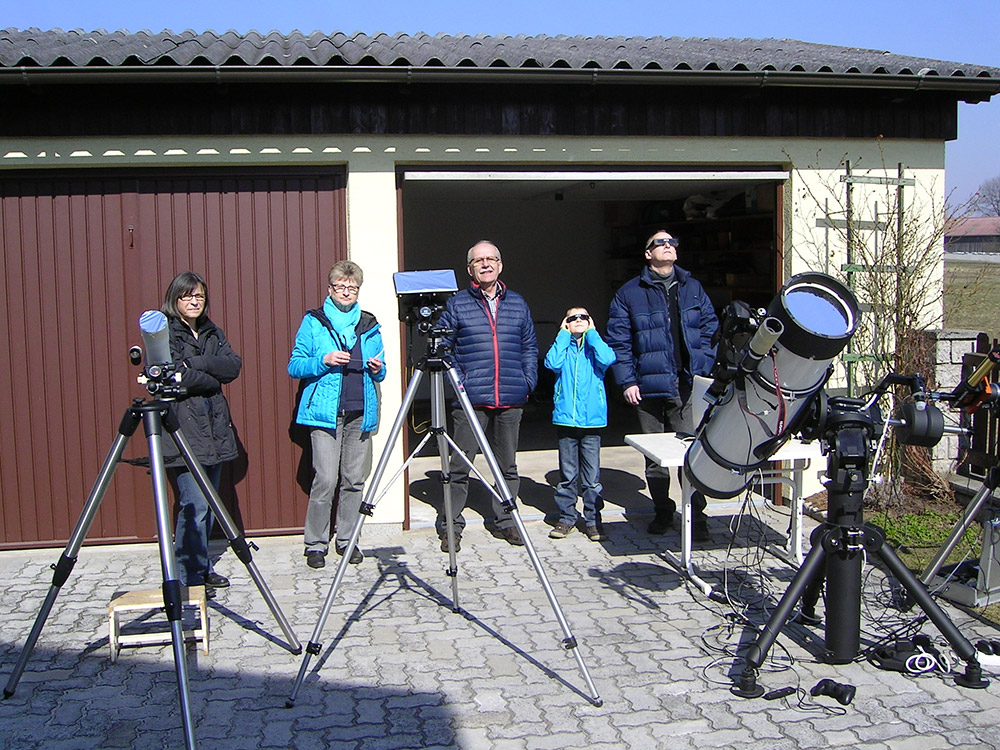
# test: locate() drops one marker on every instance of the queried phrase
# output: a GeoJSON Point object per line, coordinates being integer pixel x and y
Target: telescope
{"type": "Point", "coordinates": [762, 389]}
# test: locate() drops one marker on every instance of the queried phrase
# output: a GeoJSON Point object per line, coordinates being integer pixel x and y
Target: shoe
{"type": "Point", "coordinates": [510, 536]}
{"type": "Point", "coordinates": [219, 582]}
{"type": "Point", "coordinates": [458, 543]}
{"type": "Point", "coordinates": [699, 530]}
{"type": "Point", "coordinates": [661, 524]}
{"type": "Point", "coordinates": [560, 530]}
{"type": "Point", "coordinates": [356, 554]}
{"type": "Point", "coordinates": [594, 534]}
{"type": "Point", "coordinates": [315, 559]}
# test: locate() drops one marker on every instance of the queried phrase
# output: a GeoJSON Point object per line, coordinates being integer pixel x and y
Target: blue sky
{"type": "Point", "coordinates": [957, 31]}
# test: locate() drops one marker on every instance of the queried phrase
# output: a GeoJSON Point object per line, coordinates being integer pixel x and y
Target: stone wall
{"type": "Point", "coordinates": [948, 348]}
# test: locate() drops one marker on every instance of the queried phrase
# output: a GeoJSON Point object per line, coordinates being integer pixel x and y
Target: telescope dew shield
{"type": "Point", "coordinates": [817, 316]}
{"type": "Point", "coordinates": [155, 337]}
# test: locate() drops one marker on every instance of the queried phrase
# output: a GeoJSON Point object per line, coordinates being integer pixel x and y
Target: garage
{"type": "Point", "coordinates": [83, 256]}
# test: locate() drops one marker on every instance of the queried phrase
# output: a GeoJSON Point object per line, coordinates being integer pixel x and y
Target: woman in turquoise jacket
{"type": "Point", "coordinates": [579, 357]}
{"type": "Point", "coordinates": [339, 353]}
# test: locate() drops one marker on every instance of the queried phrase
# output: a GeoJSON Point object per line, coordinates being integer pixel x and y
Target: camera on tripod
{"type": "Point", "coordinates": [422, 296]}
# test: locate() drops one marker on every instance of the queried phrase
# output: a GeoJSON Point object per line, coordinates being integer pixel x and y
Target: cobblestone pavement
{"type": "Point", "coordinates": [399, 669]}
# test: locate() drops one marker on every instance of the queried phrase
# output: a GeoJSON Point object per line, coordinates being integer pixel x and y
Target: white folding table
{"type": "Point", "coordinates": [668, 450]}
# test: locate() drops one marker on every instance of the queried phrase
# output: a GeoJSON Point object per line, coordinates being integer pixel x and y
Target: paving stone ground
{"type": "Point", "coordinates": [399, 669]}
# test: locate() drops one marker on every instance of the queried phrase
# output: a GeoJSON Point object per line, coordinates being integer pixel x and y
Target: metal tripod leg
{"type": "Point", "coordinates": [172, 600]}
{"type": "Point", "coordinates": [444, 451]}
{"type": "Point", "coordinates": [67, 560]}
{"type": "Point", "coordinates": [747, 686]}
{"type": "Point", "coordinates": [973, 677]}
{"type": "Point", "coordinates": [150, 414]}
{"type": "Point", "coordinates": [236, 539]}
{"type": "Point", "coordinates": [569, 642]}
{"type": "Point", "coordinates": [313, 647]}
{"type": "Point", "coordinates": [981, 497]}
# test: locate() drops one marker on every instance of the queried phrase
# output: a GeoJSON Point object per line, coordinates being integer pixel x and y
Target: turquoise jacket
{"type": "Point", "coordinates": [580, 399]}
{"type": "Point", "coordinates": [321, 395]}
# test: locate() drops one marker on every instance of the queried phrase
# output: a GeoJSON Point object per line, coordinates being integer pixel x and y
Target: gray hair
{"type": "Point", "coordinates": [468, 255]}
{"type": "Point", "coordinates": [346, 269]}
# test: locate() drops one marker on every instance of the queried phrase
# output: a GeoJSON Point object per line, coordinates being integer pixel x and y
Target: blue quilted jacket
{"type": "Point", "coordinates": [579, 399]}
{"type": "Point", "coordinates": [497, 361]}
{"type": "Point", "coordinates": [638, 331]}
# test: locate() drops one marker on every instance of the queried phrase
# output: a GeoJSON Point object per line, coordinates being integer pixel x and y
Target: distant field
{"type": "Point", "coordinates": [972, 296]}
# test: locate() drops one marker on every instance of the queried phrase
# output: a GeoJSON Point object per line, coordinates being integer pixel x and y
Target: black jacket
{"type": "Point", "coordinates": [205, 364]}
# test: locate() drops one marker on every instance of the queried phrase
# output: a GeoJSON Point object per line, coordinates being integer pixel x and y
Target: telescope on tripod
{"type": "Point", "coordinates": [162, 382]}
{"type": "Point", "coordinates": [769, 384]}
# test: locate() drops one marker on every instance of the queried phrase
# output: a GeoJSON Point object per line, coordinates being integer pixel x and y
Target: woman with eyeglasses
{"type": "Point", "coordinates": [339, 354]}
{"type": "Point", "coordinates": [205, 360]}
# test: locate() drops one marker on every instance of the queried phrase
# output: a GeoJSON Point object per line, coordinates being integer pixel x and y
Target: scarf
{"type": "Point", "coordinates": [344, 322]}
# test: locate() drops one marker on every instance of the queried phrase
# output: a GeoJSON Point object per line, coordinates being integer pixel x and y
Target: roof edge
{"type": "Point", "coordinates": [973, 89]}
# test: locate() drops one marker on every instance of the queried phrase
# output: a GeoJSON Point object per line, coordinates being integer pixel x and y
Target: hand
{"type": "Point", "coordinates": [375, 365]}
{"type": "Point", "coordinates": [632, 395]}
{"type": "Point", "coordinates": [336, 358]}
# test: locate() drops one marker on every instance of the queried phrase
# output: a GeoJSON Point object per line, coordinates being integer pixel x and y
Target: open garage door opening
{"type": "Point", "coordinates": [572, 238]}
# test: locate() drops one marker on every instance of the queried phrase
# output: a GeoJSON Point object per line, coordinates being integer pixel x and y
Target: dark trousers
{"type": "Point", "coordinates": [666, 415]}
{"type": "Point", "coordinates": [502, 427]}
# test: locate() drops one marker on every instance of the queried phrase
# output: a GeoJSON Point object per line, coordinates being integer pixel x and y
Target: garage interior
{"type": "Point", "coordinates": [573, 238]}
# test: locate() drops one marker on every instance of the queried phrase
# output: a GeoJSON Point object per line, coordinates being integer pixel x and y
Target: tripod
{"type": "Point", "coordinates": [155, 415]}
{"type": "Point", "coordinates": [841, 544]}
{"type": "Point", "coordinates": [436, 362]}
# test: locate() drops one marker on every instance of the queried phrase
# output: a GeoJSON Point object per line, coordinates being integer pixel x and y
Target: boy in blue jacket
{"type": "Point", "coordinates": [579, 357]}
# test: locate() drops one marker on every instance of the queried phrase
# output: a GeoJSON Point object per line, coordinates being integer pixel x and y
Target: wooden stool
{"type": "Point", "coordinates": [151, 599]}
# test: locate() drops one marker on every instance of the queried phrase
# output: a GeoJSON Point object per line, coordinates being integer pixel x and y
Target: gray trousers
{"type": "Point", "coordinates": [502, 427]}
{"type": "Point", "coordinates": [666, 415]}
{"type": "Point", "coordinates": [342, 460]}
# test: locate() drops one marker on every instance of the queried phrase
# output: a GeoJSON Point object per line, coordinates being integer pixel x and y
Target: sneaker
{"type": "Point", "coordinates": [356, 554]}
{"type": "Point", "coordinates": [594, 534]}
{"type": "Point", "coordinates": [315, 559]}
{"type": "Point", "coordinates": [219, 582]}
{"type": "Point", "coordinates": [560, 530]}
{"type": "Point", "coordinates": [510, 536]}
{"type": "Point", "coordinates": [661, 524]}
{"type": "Point", "coordinates": [458, 543]}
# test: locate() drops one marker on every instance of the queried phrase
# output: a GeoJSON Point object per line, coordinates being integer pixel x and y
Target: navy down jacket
{"type": "Point", "coordinates": [638, 331]}
{"type": "Point", "coordinates": [496, 360]}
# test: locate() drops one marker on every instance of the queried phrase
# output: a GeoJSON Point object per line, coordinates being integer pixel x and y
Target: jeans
{"type": "Point", "coordinates": [194, 524]}
{"type": "Point", "coordinates": [342, 460]}
{"type": "Point", "coordinates": [666, 415]}
{"type": "Point", "coordinates": [579, 465]}
{"type": "Point", "coordinates": [501, 427]}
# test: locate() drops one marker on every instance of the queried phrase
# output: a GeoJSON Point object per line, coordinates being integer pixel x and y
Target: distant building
{"type": "Point", "coordinates": [973, 235]}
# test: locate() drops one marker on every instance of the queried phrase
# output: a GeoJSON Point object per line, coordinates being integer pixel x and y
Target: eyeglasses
{"type": "Point", "coordinates": [661, 241]}
{"type": "Point", "coordinates": [192, 298]}
{"type": "Point", "coordinates": [345, 288]}
{"type": "Point", "coordinates": [578, 316]}
{"type": "Point", "coordinates": [490, 260]}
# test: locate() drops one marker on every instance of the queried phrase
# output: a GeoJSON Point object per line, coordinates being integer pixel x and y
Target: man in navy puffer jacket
{"type": "Point", "coordinates": [661, 325]}
{"type": "Point", "coordinates": [495, 354]}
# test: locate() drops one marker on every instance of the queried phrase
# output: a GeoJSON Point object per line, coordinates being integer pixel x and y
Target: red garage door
{"type": "Point", "coordinates": [82, 257]}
